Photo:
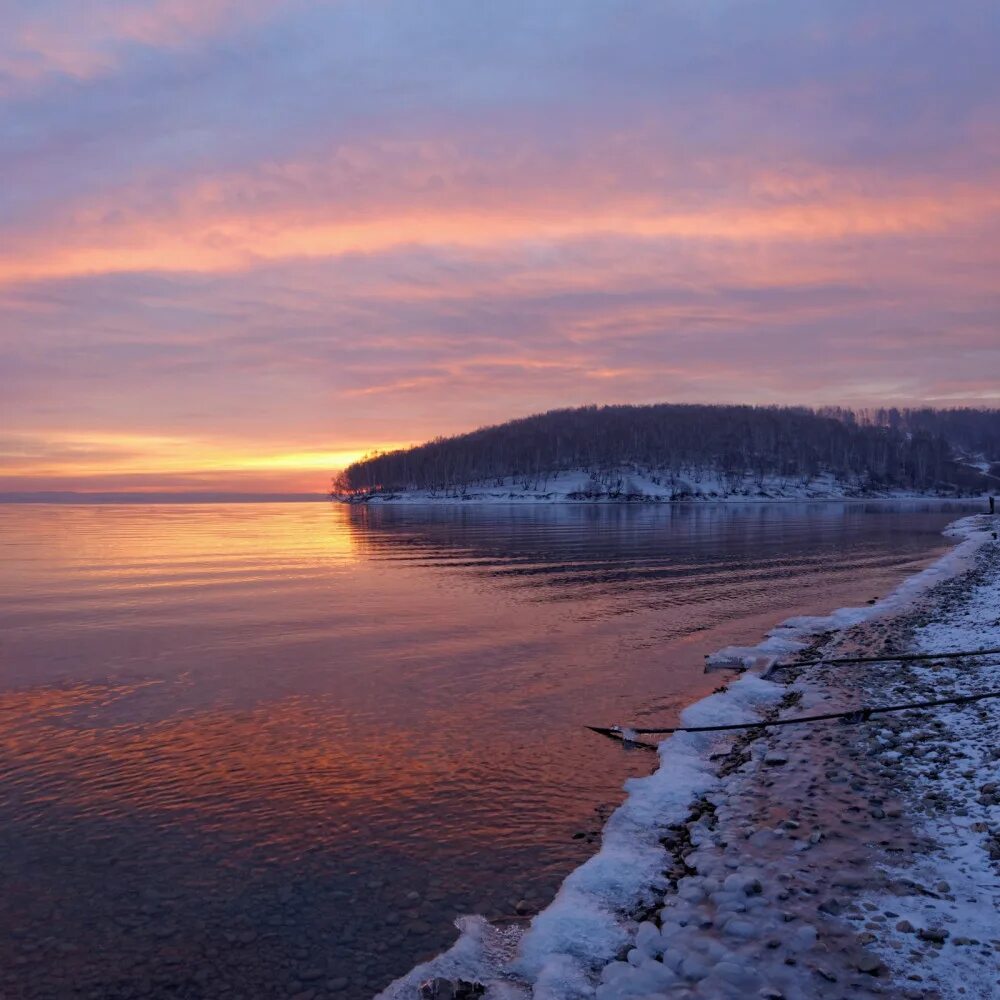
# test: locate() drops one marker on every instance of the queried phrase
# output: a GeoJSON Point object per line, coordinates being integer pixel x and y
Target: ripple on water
{"type": "Point", "coordinates": [271, 748]}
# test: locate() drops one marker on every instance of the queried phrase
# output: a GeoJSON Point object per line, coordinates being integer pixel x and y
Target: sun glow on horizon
{"type": "Point", "coordinates": [151, 462]}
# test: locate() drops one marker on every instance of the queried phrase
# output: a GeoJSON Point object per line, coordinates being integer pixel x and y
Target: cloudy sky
{"type": "Point", "coordinates": [242, 241]}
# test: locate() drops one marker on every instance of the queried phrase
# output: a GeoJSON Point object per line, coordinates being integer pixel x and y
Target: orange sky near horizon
{"type": "Point", "coordinates": [243, 244]}
{"type": "Point", "coordinates": [146, 464]}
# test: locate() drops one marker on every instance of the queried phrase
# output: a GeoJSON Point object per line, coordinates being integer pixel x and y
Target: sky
{"type": "Point", "coordinates": [242, 242]}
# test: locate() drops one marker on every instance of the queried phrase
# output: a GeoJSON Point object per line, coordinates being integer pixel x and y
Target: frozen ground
{"type": "Point", "coordinates": [827, 860]}
{"type": "Point", "coordinates": [946, 766]}
{"type": "Point", "coordinates": [645, 486]}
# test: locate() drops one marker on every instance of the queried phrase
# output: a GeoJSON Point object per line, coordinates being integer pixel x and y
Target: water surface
{"type": "Point", "coordinates": [263, 750]}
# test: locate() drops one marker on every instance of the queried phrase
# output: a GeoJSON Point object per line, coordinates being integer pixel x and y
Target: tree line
{"type": "Point", "coordinates": [881, 448]}
{"type": "Point", "coordinates": [973, 433]}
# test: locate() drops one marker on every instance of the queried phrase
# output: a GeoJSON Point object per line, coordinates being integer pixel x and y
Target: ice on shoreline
{"type": "Point", "coordinates": [792, 634]}
{"type": "Point", "coordinates": [588, 922]}
{"type": "Point", "coordinates": [712, 937]}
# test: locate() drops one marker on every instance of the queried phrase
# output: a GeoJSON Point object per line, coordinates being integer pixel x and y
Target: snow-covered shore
{"type": "Point", "coordinates": [643, 486]}
{"type": "Point", "coordinates": [804, 861]}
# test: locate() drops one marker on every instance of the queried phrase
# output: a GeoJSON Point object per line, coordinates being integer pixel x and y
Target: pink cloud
{"type": "Point", "coordinates": [84, 39]}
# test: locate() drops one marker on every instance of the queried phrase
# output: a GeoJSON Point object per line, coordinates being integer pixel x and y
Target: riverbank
{"type": "Point", "coordinates": [629, 485]}
{"type": "Point", "coordinates": [804, 861]}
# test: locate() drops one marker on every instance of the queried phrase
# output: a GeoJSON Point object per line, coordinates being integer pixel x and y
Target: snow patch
{"type": "Point", "coordinates": [644, 486]}
{"type": "Point", "coordinates": [957, 908]}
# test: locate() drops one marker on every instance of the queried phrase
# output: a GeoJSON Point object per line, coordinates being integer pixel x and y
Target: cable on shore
{"type": "Point", "coordinates": [856, 715]}
{"type": "Point", "coordinates": [889, 658]}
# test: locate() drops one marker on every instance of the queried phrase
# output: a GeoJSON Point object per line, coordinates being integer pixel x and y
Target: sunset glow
{"type": "Point", "coordinates": [245, 243]}
{"type": "Point", "coordinates": [139, 462]}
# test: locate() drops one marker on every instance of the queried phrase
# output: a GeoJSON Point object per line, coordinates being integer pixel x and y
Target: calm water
{"type": "Point", "coordinates": [261, 750]}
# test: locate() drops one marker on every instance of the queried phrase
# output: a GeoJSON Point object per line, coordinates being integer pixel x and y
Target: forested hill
{"type": "Point", "coordinates": [674, 448]}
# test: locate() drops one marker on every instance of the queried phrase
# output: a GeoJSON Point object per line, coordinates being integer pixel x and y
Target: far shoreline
{"type": "Point", "coordinates": [643, 488]}
{"type": "Point", "coordinates": [650, 501]}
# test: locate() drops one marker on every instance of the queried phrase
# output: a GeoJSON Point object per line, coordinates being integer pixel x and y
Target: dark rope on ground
{"type": "Point", "coordinates": [888, 658]}
{"type": "Point", "coordinates": [856, 715]}
{"type": "Point", "coordinates": [615, 734]}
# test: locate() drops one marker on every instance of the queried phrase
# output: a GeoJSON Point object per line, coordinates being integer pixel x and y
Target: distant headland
{"type": "Point", "coordinates": [680, 452]}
